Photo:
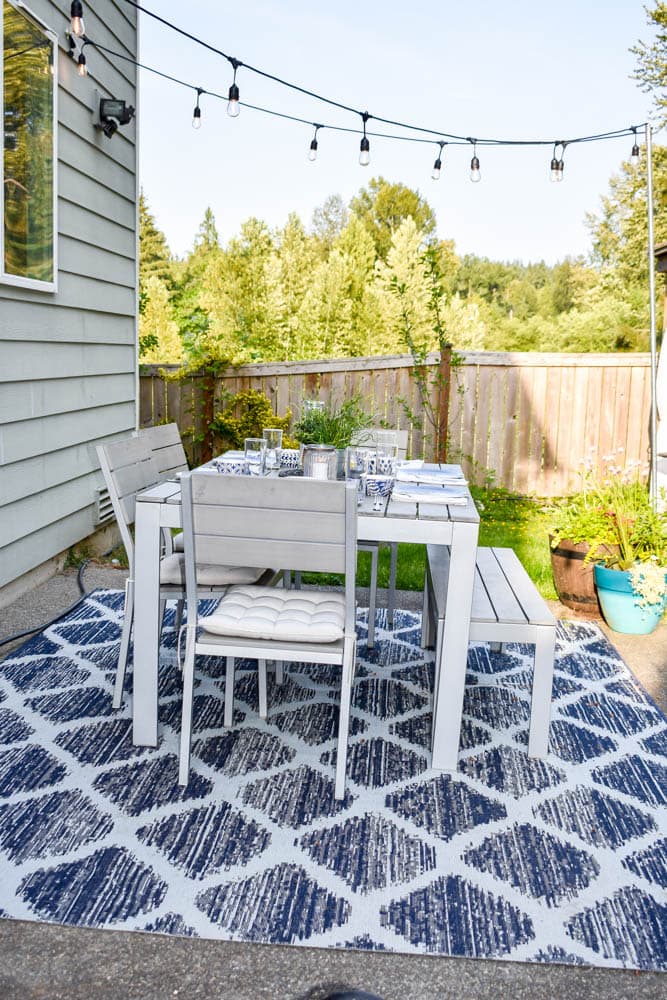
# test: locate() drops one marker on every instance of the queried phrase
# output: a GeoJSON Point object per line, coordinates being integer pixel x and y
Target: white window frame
{"type": "Point", "coordinates": [15, 279]}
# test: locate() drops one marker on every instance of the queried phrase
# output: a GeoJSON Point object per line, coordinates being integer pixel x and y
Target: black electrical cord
{"type": "Point", "coordinates": [63, 614]}
{"type": "Point", "coordinates": [365, 115]}
{"type": "Point", "coordinates": [452, 140]}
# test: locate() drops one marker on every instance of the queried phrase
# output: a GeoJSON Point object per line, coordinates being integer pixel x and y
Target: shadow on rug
{"type": "Point", "coordinates": [559, 860]}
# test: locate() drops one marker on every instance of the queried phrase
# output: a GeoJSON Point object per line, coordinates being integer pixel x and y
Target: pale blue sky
{"type": "Point", "coordinates": [519, 69]}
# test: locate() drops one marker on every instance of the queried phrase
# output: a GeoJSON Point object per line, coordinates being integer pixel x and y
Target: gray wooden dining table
{"type": "Point", "coordinates": [456, 526]}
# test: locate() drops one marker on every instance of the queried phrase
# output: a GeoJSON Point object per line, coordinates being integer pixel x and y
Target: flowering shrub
{"type": "Point", "coordinates": [614, 514]}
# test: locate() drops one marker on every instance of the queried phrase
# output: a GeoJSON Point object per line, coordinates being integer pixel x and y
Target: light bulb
{"type": "Point", "coordinates": [196, 117]}
{"type": "Point", "coordinates": [437, 166]}
{"type": "Point", "coordinates": [554, 170]}
{"type": "Point", "coordinates": [312, 152]}
{"type": "Point", "coordinates": [83, 69]}
{"type": "Point", "coordinates": [233, 108]}
{"type": "Point", "coordinates": [634, 155]}
{"type": "Point", "coordinates": [559, 173]}
{"type": "Point", "coordinates": [364, 152]}
{"type": "Point", "coordinates": [475, 175]}
{"type": "Point", "coordinates": [77, 26]}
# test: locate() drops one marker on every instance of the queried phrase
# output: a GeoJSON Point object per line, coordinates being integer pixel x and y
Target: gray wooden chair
{"type": "Point", "coordinates": [128, 467]}
{"type": "Point", "coordinates": [370, 437]}
{"type": "Point", "coordinates": [164, 441]}
{"type": "Point", "coordinates": [167, 449]}
{"type": "Point", "coordinates": [308, 525]}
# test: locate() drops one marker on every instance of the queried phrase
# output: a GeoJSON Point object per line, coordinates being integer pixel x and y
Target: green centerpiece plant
{"type": "Point", "coordinates": [333, 425]}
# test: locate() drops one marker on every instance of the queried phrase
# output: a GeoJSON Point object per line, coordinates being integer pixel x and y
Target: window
{"type": "Point", "coordinates": [29, 86]}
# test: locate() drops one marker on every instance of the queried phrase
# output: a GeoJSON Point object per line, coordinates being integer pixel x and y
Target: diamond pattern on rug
{"type": "Point", "coordinates": [454, 916]}
{"type": "Point", "coordinates": [445, 807]}
{"type": "Point", "coordinates": [282, 904]}
{"type": "Point", "coordinates": [103, 888]}
{"type": "Point", "coordinates": [369, 852]}
{"type": "Point", "coordinates": [535, 862]}
{"type": "Point", "coordinates": [556, 860]}
{"type": "Point", "coordinates": [205, 840]}
{"type": "Point", "coordinates": [631, 927]}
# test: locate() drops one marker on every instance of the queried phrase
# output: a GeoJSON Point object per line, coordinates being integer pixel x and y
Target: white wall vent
{"type": "Point", "coordinates": [103, 506]}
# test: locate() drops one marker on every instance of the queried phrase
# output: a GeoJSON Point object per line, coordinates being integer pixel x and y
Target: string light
{"type": "Point", "coordinates": [437, 166]}
{"type": "Point", "coordinates": [196, 114]}
{"type": "Point", "coordinates": [81, 63]}
{"type": "Point", "coordinates": [312, 152]}
{"type": "Point", "coordinates": [364, 145]}
{"type": "Point", "coordinates": [76, 19]}
{"type": "Point", "coordinates": [561, 166]}
{"type": "Point", "coordinates": [475, 175]}
{"type": "Point", "coordinates": [233, 107]}
{"type": "Point", "coordinates": [364, 157]}
{"type": "Point", "coordinates": [555, 173]}
{"type": "Point", "coordinates": [634, 155]}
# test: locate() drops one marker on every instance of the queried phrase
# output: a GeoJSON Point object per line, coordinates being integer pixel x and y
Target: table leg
{"type": "Point", "coordinates": [452, 652]}
{"type": "Point", "coordinates": [146, 623]}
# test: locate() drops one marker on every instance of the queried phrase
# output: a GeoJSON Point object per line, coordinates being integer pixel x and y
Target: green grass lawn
{"type": "Point", "coordinates": [509, 521]}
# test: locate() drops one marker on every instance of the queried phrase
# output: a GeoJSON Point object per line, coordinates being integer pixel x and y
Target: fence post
{"type": "Point", "coordinates": [444, 385]}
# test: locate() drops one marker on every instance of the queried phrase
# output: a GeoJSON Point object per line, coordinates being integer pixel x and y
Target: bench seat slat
{"type": "Point", "coordinates": [535, 608]}
{"type": "Point", "coordinates": [506, 607]}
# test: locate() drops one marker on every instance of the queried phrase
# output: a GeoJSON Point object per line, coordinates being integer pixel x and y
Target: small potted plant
{"type": "Point", "coordinates": [626, 539]}
{"type": "Point", "coordinates": [333, 425]}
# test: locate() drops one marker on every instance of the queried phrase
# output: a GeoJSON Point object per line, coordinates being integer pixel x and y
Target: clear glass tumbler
{"type": "Point", "coordinates": [274, 443]}
{"type": "Point", "coordinates": [255, 456]}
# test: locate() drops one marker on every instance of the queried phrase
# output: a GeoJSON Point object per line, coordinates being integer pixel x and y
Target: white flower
{"type": "Point", "coordinates": [648, 582]}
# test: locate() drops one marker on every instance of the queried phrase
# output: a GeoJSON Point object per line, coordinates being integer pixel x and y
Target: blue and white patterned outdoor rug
{"type": "Point", "coordinates": [561, 860]}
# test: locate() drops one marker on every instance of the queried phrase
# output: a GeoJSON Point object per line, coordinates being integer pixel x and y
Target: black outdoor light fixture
{"type": "Point", "coordinates": [113, 113]}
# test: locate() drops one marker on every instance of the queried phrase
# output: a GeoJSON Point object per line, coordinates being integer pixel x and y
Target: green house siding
{"type": "Point", "coordinates": [68, 358]}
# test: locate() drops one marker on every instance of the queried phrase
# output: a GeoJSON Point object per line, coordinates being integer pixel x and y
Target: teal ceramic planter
{"type": "Point", "coordinates": [619, 603]}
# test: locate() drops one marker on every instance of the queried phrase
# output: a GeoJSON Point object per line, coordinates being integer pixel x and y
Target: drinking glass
{"type": "Point", "coordinates": [387, 453]}
{"type": "Point", "coordinates": [274, 443]}
{"type": "Point", "coordinates": [358, 463]}
{"type": "Point", "coordinates": [255, 456]}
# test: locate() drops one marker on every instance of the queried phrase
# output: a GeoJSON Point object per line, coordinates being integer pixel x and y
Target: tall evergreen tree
{"type": "Point", "coordinates": [155, 259]}
{"type": "Point", "coordinates": [652, 59]}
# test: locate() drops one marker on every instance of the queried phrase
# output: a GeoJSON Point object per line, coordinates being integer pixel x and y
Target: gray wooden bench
{"type": "Point", "coordinates": [506, 607]}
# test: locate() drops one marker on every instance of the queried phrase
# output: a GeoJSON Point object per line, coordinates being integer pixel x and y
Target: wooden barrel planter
{"type": "Point", "coordinates": [573, 578]}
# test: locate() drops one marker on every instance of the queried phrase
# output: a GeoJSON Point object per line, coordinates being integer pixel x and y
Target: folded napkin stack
{"type": "Point", "coordinates": [431, 484]}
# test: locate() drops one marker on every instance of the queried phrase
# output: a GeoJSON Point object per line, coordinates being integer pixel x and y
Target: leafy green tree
{"type": "Point", "coordinates": [652, 59]}
{"type": "Point", "coordinates": [192, 318]}
{"type": "Point", "coordinates": [329, 221]}
{"type": "Point", "coordinates": [620, 231]}
{"type": "Point", "coordinates": [159, 341]}
{"type": "Point", "coordinates": [155, 259]}
{"type": "Point", "coordinates": [383, 206]}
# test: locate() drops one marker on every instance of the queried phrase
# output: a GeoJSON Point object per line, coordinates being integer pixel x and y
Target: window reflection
{"type": "Point", "coordinates": [28, 82]}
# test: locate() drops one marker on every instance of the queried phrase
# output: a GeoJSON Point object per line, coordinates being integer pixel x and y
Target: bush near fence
{"type": "Point", "coordinates": [524, 420]}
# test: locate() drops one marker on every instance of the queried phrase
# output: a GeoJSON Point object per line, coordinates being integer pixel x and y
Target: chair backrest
{"type": "Point", "coordinates": [164, 441]}
{"type": "Point", "coordinates": [128, 467]}
{"type": "Point", "coordinates": [290, 523]}
{"type": "Point", "coordinates": [370, 437]}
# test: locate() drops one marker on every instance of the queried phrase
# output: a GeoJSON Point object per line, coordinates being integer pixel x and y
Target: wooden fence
{"type": "Point", "coordinates": [524, 420]}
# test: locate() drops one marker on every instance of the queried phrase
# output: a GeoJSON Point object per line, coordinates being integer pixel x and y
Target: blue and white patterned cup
{"type": "Point", "coordinates": [379, 486]}
{"type": "Point", "coordinates": [231, 466]}
{"type": "Point", "coordinates": [289, 458]}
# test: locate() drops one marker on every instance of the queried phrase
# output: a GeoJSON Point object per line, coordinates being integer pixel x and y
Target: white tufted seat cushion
{"type": "Point", "coordinates": [275, 613]}
{"type": "Point", "coordinates": [172, 571]}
